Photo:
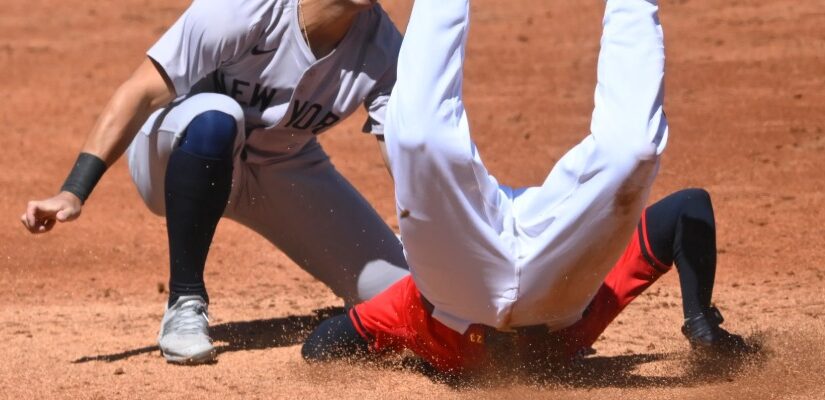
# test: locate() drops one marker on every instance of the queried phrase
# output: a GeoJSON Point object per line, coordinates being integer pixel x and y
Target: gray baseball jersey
{"type": "Point", "coordinates": [254, 52]}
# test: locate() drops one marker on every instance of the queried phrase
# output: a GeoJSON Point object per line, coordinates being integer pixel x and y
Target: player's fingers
{"type": "Point", "coordinates": [46, 225]}
{"type": "Point", "coordinates": [25, 221]}
{"type": "Point", "coordinates": [62, 215]}
{"type": "Point", "coordinates": [66, 214]}
{"type": "Point", "coordinates": [40, 216]}
{"type": "Point", "coordinates": [40, 225]}
{"type": "Point", "coordinates": [31, 218]}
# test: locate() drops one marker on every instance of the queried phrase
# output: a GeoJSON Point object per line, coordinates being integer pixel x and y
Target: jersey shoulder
{"type": "Point", "coordinates": [381, 32]}
{"type": "Point", "coordinates": [232, 18]}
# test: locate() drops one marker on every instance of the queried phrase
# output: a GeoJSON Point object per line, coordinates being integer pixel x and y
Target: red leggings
{"type": "Point", "coordinates": [396, 319]}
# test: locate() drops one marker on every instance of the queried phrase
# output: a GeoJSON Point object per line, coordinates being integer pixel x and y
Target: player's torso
{"type": "Point", "coordinates": [288, 96]}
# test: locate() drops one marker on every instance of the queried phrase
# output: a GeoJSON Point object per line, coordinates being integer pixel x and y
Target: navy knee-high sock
{"type": "Point", "coordinates": [681, 229]}
{"type": "Point", "coordinates": [198, 182]}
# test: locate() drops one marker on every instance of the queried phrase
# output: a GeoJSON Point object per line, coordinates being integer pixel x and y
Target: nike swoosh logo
{"type": "Point", "coordinates": [256, 51]}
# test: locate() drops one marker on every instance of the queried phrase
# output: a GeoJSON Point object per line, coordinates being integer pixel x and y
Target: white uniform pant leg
{"type": "Point", "coordinates": [451, 212]}
{"type": "Point", "coordinates": [311, 212]}
{"type": "Point", "coordinates": [573, 228]}
{"type": "Point", "coordinates": [149, 152]}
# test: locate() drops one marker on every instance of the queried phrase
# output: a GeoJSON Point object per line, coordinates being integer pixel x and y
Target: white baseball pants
{"type": "Point", "coordinates": [486, 253]}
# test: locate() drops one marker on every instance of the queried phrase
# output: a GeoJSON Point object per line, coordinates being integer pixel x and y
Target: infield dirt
{"type": "Point", "coordinates": [80, 307]}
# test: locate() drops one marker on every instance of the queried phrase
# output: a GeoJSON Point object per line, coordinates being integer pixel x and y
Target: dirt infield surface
{"type": "Point", "coordinates": [80, 307]}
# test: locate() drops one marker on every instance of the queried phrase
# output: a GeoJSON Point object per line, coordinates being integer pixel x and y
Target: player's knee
{"type": "Point", "coordinates": [157, 207]}
{"type": "Point", "coordinates": [697, 196]}
{"type": "Point", "coordinates": [380, 274]}
{"type": "Point", "coordinates": [635, 142]}
{"type": "Point", "coordinates": [333, 339]}
{"type": "Point", "coordinates": [697, 204]}
{"type": "Point", "coordinates": [211, 134]}
{"type": "Point", "coordinates": [637, 151]}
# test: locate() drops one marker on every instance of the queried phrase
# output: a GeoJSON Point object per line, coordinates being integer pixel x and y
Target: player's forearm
{"type": "Point", "coordinates": [118, 123]}
{"type": "Point", "coordinates": [145, 91]}
{"type": "Point", "coordinates": [382, 145]}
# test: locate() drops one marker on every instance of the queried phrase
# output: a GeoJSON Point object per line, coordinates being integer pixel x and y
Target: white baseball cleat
{"type": "Point", "coordinates": [184, 332]}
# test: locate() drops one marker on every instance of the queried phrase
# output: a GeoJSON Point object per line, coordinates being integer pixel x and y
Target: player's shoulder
{"type": "Point", "coordinates": [381, 32]}
{"type": "Point", "coordinates": [231, 17]}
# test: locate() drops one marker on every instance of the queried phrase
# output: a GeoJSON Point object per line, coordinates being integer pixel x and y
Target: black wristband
{"type": "Point", "coordinates": [84, 176]}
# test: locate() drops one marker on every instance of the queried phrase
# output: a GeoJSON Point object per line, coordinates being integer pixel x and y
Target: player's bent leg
{"type": "Point", "coordinates": [426, 117]}
{"type": "Point", "coordinates": [185, 153]}
{"type": "Point", "coordinates": [427, 132]}
{"type": "Point", "coordinates": [318, 219]}
{"type": "Point", "coordinates": [198, 182]}
{"type": "Point", "coordinates": [586, 210]}
{"type": "Point", "coordinates": [148, 154]}
{"type": "Point", "coordinates": [628, 126]}
{"type": "Point", "coordinates": [381, 324]}
{"type": "Point", "coordinates": [430, 63]}
{"type": "Point", "coordinates": [682, 230]}
{"type": "Point", "coordinates": [630, 277]}
{"type": "Point", "coordinates": [394, 321]}
{"type": "Point", "coordinates": [451, 210]}
{"type": "Point", "coordinates": [663, 239]}
{"type": "Point", "coordinates": [628, 117]}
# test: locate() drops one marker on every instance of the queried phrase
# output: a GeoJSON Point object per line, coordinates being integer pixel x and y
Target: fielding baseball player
{"type": "Point", "coordinates": [221, 120]}
{"type": "Point", "coordinates": [493, 264]}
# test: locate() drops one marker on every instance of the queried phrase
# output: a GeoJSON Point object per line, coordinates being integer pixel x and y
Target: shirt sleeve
{"type": "Point", "coordinates": [388, 38]}
{"type": "Point", "coordinates": [209, 34]}
{"type": "Point", "coordinates": [376, 103]}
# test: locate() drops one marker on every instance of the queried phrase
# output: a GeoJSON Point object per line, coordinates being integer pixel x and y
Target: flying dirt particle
{"type": "Point", "coordinates": [404, 213]}
{"type": "Point", "coordinates": [119, 371]}
{"type": "Point", "coordinates": [161, 287]}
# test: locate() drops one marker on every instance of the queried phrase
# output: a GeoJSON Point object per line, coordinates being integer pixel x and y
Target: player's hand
{"type": "Point", "coordinates": [41, 215]}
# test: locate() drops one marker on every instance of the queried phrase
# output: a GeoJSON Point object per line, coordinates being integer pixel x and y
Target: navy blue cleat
{"type": "Point", "coordinates": [707, 338]}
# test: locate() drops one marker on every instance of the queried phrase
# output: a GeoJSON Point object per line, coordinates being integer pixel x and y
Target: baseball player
{"type": "Point", "coordinates": [679, 229]}
{"type": "Point", "coordinates": [221, 119]}
{"type": "Point", "coordinates": [485, 257]}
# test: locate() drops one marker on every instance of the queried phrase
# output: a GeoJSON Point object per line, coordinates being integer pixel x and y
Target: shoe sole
{"type": "Point", "coordinates": [201, 358]}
